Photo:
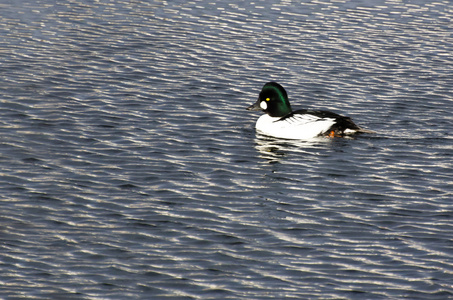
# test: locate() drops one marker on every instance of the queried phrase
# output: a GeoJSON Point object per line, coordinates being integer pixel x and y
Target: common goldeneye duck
{"type": "Point", "coordinates": [281, 122]}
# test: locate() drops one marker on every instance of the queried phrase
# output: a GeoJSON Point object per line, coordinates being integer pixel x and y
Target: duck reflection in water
{"type": "Point", "coordinates": [274, 149]}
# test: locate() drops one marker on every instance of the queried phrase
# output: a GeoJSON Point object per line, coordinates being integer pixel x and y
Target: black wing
{"type": "Point", "coordinates": [341, 122]}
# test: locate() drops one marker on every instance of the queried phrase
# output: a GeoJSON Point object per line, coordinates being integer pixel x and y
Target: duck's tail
{"type": "Point", "coordinates": [363, 130]}
{"type": "Point", "coordinates": [345, 126]}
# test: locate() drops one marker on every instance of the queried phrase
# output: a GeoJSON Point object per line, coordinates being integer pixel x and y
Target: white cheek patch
{"type": "Point", "coordinates": [263, 105]}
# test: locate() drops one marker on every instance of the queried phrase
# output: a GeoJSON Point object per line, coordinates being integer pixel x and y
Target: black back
{"type": "Point", "coordinates": [341, 122]}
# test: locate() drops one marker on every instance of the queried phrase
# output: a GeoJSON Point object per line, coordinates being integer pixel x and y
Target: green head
{"type": "Point", "coordinates": [273, 100]}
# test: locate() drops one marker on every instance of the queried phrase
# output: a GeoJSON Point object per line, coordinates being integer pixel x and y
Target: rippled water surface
{"type": "Point", "coordinates": [130, 168]}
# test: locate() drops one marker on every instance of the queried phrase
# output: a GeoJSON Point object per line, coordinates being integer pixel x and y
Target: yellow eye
{"type": "Point", "coordinates": [268, 99]}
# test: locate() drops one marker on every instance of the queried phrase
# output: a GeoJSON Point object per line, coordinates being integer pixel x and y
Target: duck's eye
{"type": "Point", "coordinates": [268, 99]}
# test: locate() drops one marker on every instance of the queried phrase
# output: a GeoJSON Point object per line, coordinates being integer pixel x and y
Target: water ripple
{"type": "Point", "coordinates": [130, 167]}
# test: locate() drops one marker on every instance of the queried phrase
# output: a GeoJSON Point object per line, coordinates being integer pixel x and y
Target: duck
{"type": "Point", "coordinates": [280, 121]}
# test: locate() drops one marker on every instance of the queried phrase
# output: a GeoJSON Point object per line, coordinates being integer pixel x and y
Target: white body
{"type": "Point", "coordinates": [298, 126]}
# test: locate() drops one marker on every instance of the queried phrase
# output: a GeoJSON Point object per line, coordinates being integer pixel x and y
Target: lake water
{"type": "Point", "coordinates": [130, 168]}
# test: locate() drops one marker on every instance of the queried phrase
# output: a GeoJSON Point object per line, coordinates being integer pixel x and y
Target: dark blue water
{"type": "Point", "coordinates": [130, 168]}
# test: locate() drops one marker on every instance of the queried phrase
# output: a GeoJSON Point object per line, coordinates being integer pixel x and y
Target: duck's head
{"type": "Point", "coordinates": [273, 100]}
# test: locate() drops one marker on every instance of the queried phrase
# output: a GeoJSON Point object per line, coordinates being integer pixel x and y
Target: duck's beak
{"type": "Point", "coordinates": [256, 106]}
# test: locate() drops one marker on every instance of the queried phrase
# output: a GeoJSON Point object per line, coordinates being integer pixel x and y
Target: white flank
{"type": "Point", "coordinates": [298, 127]}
